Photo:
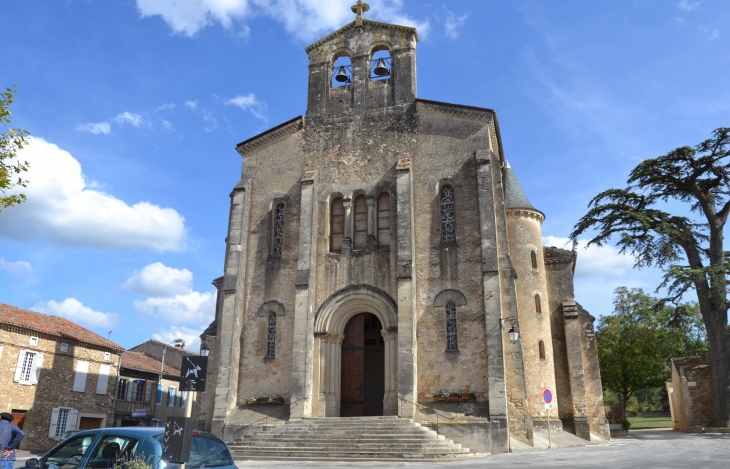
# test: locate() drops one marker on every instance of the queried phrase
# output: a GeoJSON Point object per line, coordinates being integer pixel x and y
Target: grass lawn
{"type": "Point", "coordinates": [638, 423]}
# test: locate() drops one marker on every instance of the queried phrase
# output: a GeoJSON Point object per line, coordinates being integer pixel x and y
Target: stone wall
{"type": "Point", "coordinates": [691, 393]}
{"type": "Point", "coordinates": [55, 384]}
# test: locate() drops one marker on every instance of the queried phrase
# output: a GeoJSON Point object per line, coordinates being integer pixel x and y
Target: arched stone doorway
{"type": "Point", "coordinates": [347, 319]}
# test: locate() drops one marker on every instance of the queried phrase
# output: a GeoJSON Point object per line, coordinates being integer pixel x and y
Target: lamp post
{"type": "Point", "coordinates": [204, 349]}
{"type": "Point", "coordinates": [175, 342]}
{"type": "Point", "coordinates": [514, 332]}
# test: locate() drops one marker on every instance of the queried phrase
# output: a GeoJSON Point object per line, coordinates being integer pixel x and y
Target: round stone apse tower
{"type": "Point", "coordinates": [526, 253]}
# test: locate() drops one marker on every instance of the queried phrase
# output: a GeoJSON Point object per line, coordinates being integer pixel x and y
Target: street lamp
{"type": "Point", "coordinates": [204, 350]}
{"type": "Point", "coordinates": [514, 332]}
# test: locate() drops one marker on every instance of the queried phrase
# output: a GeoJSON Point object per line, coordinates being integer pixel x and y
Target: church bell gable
{"type": "Point", "coordinates": [381, 71]}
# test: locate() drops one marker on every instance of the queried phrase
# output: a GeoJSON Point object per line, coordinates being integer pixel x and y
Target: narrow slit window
{"type": "Point", "coordinates": [383, 219]}
{"type": "Point", "coordinates": [533, 257]}
{"type": "Point", "coordinates": [271, 339]}
{"type": "Point", "coordinates": [541, 349]}
{"type": "Point", "coordinates": [538, 304]}
{"type": "Point", "coordinates": [451, 340]}
{"type": "Point", "coordinates": [361, 222]}
{"type": "Point", "coordinates": [337, 224]}
{"type": "Point", "coordinates": [278, 231]}
{"type": "Point", "coordinates": [448, 221]}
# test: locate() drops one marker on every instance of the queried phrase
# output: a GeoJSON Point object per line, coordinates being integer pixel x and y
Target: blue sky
{"type": "Point", "coordinates": [136, 106]}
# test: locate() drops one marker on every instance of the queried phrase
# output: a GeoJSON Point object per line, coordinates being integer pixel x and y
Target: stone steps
{"type": "Point", "coordinates": [354, 438]}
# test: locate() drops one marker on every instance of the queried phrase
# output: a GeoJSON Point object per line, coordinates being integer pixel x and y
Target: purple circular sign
{"type": "Point", "coordinates": [547, 396]}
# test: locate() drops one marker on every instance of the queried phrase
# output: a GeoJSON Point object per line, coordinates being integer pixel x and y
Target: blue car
{"type": "Point", "coordinates": [127, 447]}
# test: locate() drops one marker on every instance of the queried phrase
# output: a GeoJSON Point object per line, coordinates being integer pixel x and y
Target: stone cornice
{"type": "Point", "coordinates": [553, 255]}
{"type": "Point", "coordinates": [271, 135]}
{"type": "Point", "coordinates": [527, 213]}
{"type": "Point", "coordinates": [348, 26]}
{"type": "Point", "coordinates": [459, 110]}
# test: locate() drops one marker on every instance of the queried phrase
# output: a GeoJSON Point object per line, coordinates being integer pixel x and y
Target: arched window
{"type": "Point", "coordinates": [361, 222]}
{"type": "Point", "coordinates": [538, 304]}
{"type": "Point", "coordinates": [383, 219]}
{"type": "Point", "coordinates": [380, 65]}
{"type": "Point", "coordinates": [271, 337]}
{"type": "Point", "coordinates": [277, 241]}
{"type": "Point", "coordinates": [341, 71]}
{"type": "Point", "coordinates": [541, 349]}
{"type": "Point", "coordinates": [451, 340]}
{"type": "Point", "coordinates": [337, 224]}
{"type": "Point", "coordinates": [533, 256]}
{"type": "Point", "coordinates": [448, 222]}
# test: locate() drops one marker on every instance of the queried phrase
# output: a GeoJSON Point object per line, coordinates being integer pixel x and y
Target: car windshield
{"type": "Point", "coordinates": [113, 451]}
{"type": "Point", "coordinates": [70, 454]}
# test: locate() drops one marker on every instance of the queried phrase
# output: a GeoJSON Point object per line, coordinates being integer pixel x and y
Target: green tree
{"type": "Point", "coordinates": [689, 250]}
{"type": "Point", "coordinates": [11, 140]}
{"type": "Point", "coordinates": [636, 342]}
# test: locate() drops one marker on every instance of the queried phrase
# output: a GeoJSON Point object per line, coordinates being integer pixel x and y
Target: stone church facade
{"type": "Point", "coordinates": [379, 250]}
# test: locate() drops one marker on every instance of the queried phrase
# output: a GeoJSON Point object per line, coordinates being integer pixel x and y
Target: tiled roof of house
{"type": "Point", "coordinates": [140, 361]}
{"type": "Point", "coordinates": [52, 325]}
{"type": "Point", "coordinates": [181, 351]}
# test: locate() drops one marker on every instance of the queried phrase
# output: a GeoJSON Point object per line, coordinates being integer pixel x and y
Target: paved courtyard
{"type": "Point", "coordinates": [655, 449]}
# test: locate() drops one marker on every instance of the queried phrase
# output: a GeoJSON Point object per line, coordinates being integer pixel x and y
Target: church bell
{"type": "Point", "coordinates": [342, 75]}
{"type": "Point", "coordinates": [380, 69]}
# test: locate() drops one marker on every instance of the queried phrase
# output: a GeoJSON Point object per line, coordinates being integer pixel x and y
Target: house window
{"type": "Point", "coordinates": [158, 396]}
{"type": "Point", "coordinates": [82, 370]}
{"type": "Point", "coordinates": [337, 224]}
{"type": "Point", "coordinates": [271, 339]}
{"type": "Point", "coordinates": [107, 355]}
{"type": "Point", "coordinates": [361, 221]}
{"type": "Point", "coordinates": [122, 390]}
{"type": "Point", "coordinates": [451, 341]}
{"type": "Point", "coordinates": [62, 419]}
{"type": "Point", "coordinates": [171, 396]}
{"type": "Point", "coordinates": [28, 367]}
{"type": "Point", "coordinates": [63, 347]}
{"type": "Point", "coordinates": [541, 349]}
{"type": "Point", "coordinates": [538, 304]}
{"type": "Point", "coordinates": [278, 230]}
{"type": "Point", "coordinates": [383, 219]}
{"type": "Point", "coordinates": [448, 221]}
{"type": "Point", "coordinates": [33, 340]}
{"type": "Point", "coordinates": [137, 391]}
{"type": "Point", "coordinates": [533, 257]}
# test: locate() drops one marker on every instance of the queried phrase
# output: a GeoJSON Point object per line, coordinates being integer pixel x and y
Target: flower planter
{"type": "Point", "coordinates": [440, 399]}
{"type": "Point", "coordinates": [466, 397]}
{"type": "Point", "coordinates": [454, 398]}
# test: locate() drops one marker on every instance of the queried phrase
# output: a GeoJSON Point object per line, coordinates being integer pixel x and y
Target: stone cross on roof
{"type": "Point", "coordinates": [360, 8]}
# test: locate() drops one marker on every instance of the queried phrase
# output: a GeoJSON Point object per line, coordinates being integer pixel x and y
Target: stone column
{"type": "Point", "coordinates": [347, 236]}
{"type": "Point", "coordinates": [370, 244]}
{"type": "Point", "coordinates": [333, 373]}
{"type": "Point", "coordinates": [407, 347]}
{"type": "Point", "coordinates": [574, 345]}
{"type": "Point", "coordinates": [303, 340]}
{"type": "Point", "coordinates": [390, 398]}
{"type": "Point", "coordinates": [232, 306]}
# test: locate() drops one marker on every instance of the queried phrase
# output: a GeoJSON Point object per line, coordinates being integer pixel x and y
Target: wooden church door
{"type": "Point", "coordinates": [353, 345]}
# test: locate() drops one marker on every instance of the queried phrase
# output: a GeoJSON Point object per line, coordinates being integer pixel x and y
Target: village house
{"type": "Point", "coordinates": [55, 375]}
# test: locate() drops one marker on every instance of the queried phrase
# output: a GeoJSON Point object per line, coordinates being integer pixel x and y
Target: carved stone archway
{"type": "Point", "coordinates": [329, 326]}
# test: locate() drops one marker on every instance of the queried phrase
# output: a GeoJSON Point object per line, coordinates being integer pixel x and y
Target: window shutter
{"type": "Point", "coordinates": [158, 397]}
{"type": "Point", "coordinates": [147, 391]}
{"type": "Point", "coordinates": [38, 364]}
{"type": "Point", "coordinates": [82, 369]}
{"type": "Point", "coordinates": [103, 382]}
{"type": "Point", "coordinates": [19, 366]}
{"type": "Point", "coordinates": [174, 397]}
{"type": "Point", "coordinates": [71, 421]}
{"type": "Point", "coordinates": [54, 422]}
{"type": "Point", "coordinates": [182, 398]}
{"type": "Point", "coordinates": [130, 388]}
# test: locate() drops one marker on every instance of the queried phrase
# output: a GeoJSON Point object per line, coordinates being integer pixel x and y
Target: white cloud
{"type": "Point", "coordinates": [130, 118]}
{"type": "Point", "coordinates": [193, 307]}
{"type": "Point", "coordinates": [64, 209]}
{"type": "Point", "coordinates": [594, 261]}
{"type": "Point", "coordinates": [95, 128]}
{"type": "Point", "coordinates": [73, 310]}
{"type": "Point", "coordinates": [191, 104]}
{"type": "Point", "coordinates": [453, 24]}
{"type": "Point", "coordinates": [712, 34]}
{"type": "Point", "coordinates": [680, 20]}
{"type": "Point", "coordinates": [304, 19]}
{"type": "Point", "coordinates": [687, 5]}
{"type": "Point", "coordinates": [191, 336]}
{"type": "Point", "coordinates": [166, 124]}
{"type": "Point", "coordinates": [15, 267]}
{"type": "Point", "coordinates": [166, 107]}
{"type": "Point", "coordinates": [157, 280]}
{"type": "Point", "coordinates": [170, 295]}
{"type": "Point", "coordinates": [249, 103]}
